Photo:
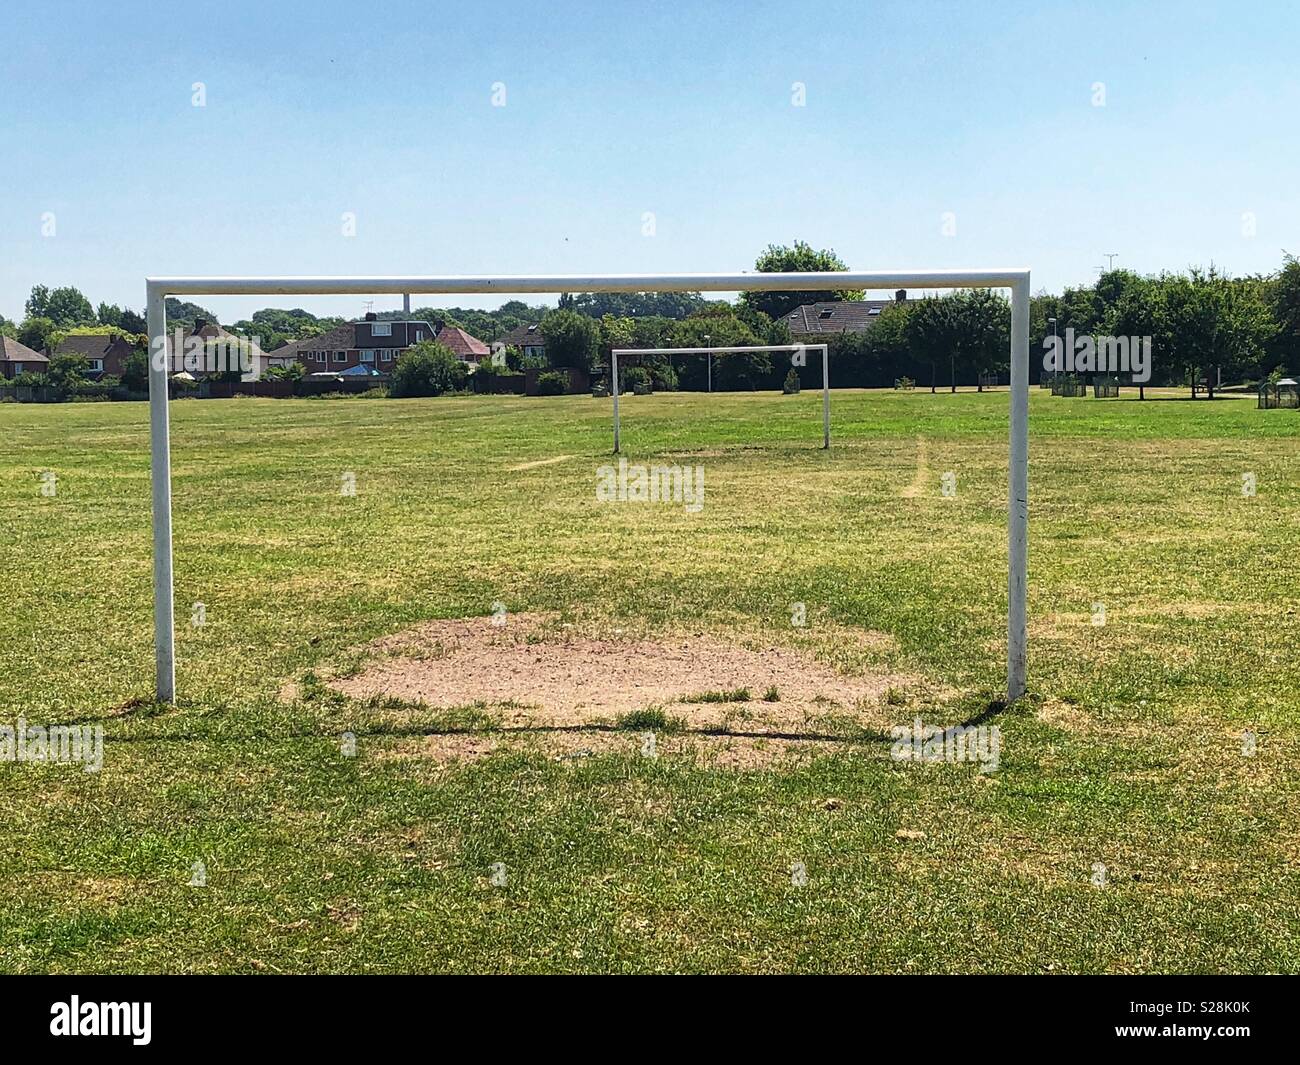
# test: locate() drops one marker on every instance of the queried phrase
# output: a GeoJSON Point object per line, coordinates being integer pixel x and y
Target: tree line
{"type": "Point", "coordinates": [1246, 327]}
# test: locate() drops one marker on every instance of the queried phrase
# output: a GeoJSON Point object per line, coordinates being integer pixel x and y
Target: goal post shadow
{"type": "Point", "coordinates": [794, 349]}
{"type": "Point", "coordinates": [158, 289]}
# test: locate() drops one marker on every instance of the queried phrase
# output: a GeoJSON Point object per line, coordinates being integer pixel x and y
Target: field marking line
{"type": "Point", "coordinates": [540, 462]}
{"type": "Point", "coordinates": [922, 477]}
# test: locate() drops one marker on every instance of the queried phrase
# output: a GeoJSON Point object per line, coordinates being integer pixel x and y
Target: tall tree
{"type": "Point", "coordinates": [63, 306]}
{"type": "Point", "coordinates": [1284, 299]}
{"type": "Point", "coordinates": [800, 258]}
{"type": "Point", "coordinates": [35, 333]}
{"type": "Point", "coordinates": [572, 339]}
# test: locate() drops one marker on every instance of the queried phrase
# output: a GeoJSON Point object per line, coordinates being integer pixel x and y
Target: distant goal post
{"type": "Point", "coordinates": [795, 351]}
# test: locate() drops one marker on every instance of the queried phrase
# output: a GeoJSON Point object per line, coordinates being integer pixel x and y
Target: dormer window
{"type": "Point", "coordinates": [381, 329]}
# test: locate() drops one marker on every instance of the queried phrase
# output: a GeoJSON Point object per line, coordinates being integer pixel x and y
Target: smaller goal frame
{"type": "Point", "coordinates": [792, 348]}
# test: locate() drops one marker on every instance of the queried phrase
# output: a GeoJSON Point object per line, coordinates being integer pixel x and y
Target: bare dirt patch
{"type": "Point", "coordinates": [922, 478]}
{"type": "Point", "coordinates": [534, 674]}
{"type": "Point", "coordinates": [572, 747]}
{"type": "Point", "coordinates": [1067, 716]}
{"type": "Point", "coordinates": [539, 462]}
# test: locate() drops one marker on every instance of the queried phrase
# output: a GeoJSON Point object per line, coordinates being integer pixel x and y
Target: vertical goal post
{"type": "Point", "coordinates": [793, 349]}
{"type": "Point", "coordinates": [157, 289]}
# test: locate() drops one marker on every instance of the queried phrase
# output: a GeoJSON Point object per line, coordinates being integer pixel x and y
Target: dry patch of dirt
{"type": "Point", "coordinates": [540, 462]}
{"type": "Point", "coordinates": [534, 674]}
{"type": "Point", "coordinates": [1067, 716]}
{"type": "Point", "coordinates": [719, 752]}
{"type": "Point", "coordinates": [922, 479]}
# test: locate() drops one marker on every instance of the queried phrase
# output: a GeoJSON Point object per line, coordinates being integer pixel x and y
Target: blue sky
{"type": "Point", "coordinates": [616, 109]}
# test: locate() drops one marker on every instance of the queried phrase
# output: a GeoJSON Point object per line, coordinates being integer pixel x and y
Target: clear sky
{"type": "Point", "coordinates": [685, 110]}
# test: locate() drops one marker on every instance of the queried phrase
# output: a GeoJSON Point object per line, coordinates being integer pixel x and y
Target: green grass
{"type": "Point", "coordinates": [734, 695]}
{"type": "Point", "coordinates": [1127, 751]}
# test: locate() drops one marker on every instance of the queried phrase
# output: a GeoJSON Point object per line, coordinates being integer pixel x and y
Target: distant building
{"type": "Point", "coordinates": [16, 358]}
{"type": "Point", "coordinates": [105, 353]}
{"type": "Point", "coordinates": [221, 352]}
{"type": "Point", "coordinates": [465, 347]}
{"type": "Point", "coordinates": [376, 345]}
{"type": "Point", "coordinates": [527, 338]}
{"type": "Point", "coordinates": [838, 316]}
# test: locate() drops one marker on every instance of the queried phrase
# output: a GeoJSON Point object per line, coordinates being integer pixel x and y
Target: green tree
{"type": "Point", "coordinates": [63, 306]}
{"type": "Point", "coordinates": [36, 333]}
{"type": "Point", "coordinates": [969, 330]}
{"type": "Point", "coordinates": [427, 369]}
{"type": "Point", "coordinates": [572, 339]}
{"type": "Point", "coordinates": [66, 372]}
{"type": "Point", "coordinates": [135, 372]}
{"type": "Point", "coordinates": [1284, 301]}
{"type": "Point", "coordinates": [718, 326]}
{"type": "Point", "coordinates": [184, 314]}
{"type": "Point", "coordinates": [800, 258]}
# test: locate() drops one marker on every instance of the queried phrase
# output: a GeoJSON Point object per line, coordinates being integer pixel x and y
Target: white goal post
{"type": "Point", "coordinates": [794, 349]}
{"type": "Point", "coordinates": [157, 289]}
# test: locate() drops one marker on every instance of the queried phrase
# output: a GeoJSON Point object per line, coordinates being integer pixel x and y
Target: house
{"type": "Point", "coordinates": [105, 353]}
{"type": "Point", "coordinates": [527, 338]}
{"type": "Point", "coordinates": [465, 347]}
{"type": "Point", "coordinates": [375, 344]}
{"type": "Point", "coordinates": [838, 316]}
{"type": "Point", "coordinates": [16, 358]}
{"type": "Point", "coordinates": [219, 352]}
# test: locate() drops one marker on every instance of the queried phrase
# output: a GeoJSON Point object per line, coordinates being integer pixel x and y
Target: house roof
{"type": "Point", "coordinates": [209, 331]}
{"type": "Point", "coordinates": [12, 351]}
{"type": "Point", "coordinates": [461, 343]}
{"type": "Point", "coordinates": [340, 338]}
{"type": "Point", "coordinates": [89, 345]}
{"type": "Point", "coordinates": [344, 338]}
{"type": "Point", "coordinates": [838, 316]}
{"type": "Point", "coordinates": [521, 335]}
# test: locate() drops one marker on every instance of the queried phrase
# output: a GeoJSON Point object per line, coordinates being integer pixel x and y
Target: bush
{"type": "Point", "coordinates": [135, 374]}
{"type": "Point", "coordinates": [663, 378]}
{"type": "Point", "coordinates": [791, 387]}
{"type": "Point", "coordinates": [427, 369]}
{"type": "Point", "coordinates": [634, 378]}
{"type": "Point", "coordinates": [552, 383]}
{"type": "Point", "coordinates": [293, 372]}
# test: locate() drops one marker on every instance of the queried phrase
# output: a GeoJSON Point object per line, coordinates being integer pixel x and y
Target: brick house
{"type": "Point", "coordinates": [105, 353]}
{"type": "Point", "coordinates": [16, 358]}
{"type": "Point", "coordinates": [376, 345]}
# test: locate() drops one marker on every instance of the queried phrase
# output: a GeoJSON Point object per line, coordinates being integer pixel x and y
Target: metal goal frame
{"type": "Point", "coordinates": [157, 289]}
{"type": "Point", "coordinates": [794, 349]}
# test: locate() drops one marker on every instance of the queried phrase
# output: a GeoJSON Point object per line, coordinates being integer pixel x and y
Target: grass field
{"type": "Point", "coordinates": [1128, 751]}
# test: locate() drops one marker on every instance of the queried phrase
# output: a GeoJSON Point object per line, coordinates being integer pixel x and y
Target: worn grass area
{"type": "Point", "coordinates": [1127, 753]}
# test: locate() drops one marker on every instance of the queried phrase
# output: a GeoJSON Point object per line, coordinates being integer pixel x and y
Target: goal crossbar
{"type": "Point", "coordinates": [157, 289]}
{"type": "Point", "coordinates": [736, 350]}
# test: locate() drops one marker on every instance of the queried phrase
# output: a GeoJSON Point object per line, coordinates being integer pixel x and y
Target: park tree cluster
{"type": "Point", "coordinates": [1244, 328]}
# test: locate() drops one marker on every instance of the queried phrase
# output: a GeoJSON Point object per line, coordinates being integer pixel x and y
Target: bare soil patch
{"type": "Point", "coordinates": [572, 747]}
{"type": "Point", "coordinates": [531, 673]}
{"type": "Point", "coordinates": [539, 462]}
